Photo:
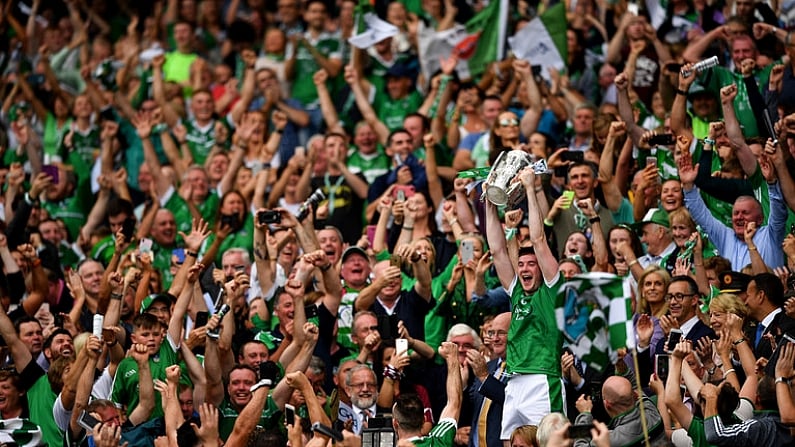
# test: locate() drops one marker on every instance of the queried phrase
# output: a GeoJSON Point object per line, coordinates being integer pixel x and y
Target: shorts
{"type": "Point", "coordinates": [528, 398]}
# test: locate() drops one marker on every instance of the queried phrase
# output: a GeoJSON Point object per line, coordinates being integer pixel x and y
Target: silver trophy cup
{"type": "Point", "coordinates": [499, 189]}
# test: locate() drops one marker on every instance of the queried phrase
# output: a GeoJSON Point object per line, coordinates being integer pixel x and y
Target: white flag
{"type": "Point", "coordinates": [377, 30]}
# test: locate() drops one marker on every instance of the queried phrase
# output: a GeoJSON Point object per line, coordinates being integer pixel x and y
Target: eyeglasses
{"type": "Point", "coordinates": [363, 385]}
{"type": "Point", "coordinates": [678, 296]}
{"type": "Point", "coordinates": [492, 334]}
{"type": "Point", "coordinates": [509, 122]}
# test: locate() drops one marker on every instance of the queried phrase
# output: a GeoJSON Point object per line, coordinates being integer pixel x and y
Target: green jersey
{"type": "Point", "coordinates": [534, 340]}
{"type": "Point", "coordinates": [227, 415]}
{"type": "Point", "coordinates": [371, 166]}
{"type": "Point", "coordinates": [306, 66]}
{"type": "Point", "coordinates": [41, 400]}
{"type": "Point", "coordinates": [441, 435]}
{"type": "Point", "coordinates": [345, 318]}
{"type": "Point", "coordinates": [73, 210]}
{"type": "Point", "coordinates": [85, 149]}
{"type": "Point", "coordinates": [201, 139]}
{"type": "Point", "coordinates": [718, 77]}
{"type": "Point", "coordinates": [125, 383]}
{"type": "Point", "coordinates": [392, 111]}
{"type": "Point", "coordinates": [53, 138]}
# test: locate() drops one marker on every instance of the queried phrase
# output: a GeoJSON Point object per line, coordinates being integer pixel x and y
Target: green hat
{"type": "Point", "coordinates": [147, 302]}
{"type": "Point", "coordinates": [655, 215]}
{"type": "Point", "coordinates": [16, 110]}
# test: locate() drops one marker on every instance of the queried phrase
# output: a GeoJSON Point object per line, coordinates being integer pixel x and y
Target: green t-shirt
{"type": "Point", "coordinates": [53, 138]}
{"type": "Point", "coordinates": [392, 111]}
{"type": "Point", "coordinates": [345, 318]}
{"type": "Point", "coordinates": [161, 260]}
{"type": "Point", "coordinates": [436, 324]}
{"type": "Point", "coordinates": [227, 416]}
{"type": "Point", "coordinates": [201, 140]}
{"type": "Point", "coordinates": [697, 434]}
{"type": "Point", "coordinates": [177, 66]}
{"type": "Point", "coordinates": [86, 147]}
{"type": "Point", "coordinates": [534, 340]}
{"type": "Point", "coordinates": [125, 383]}
{"type": "Point", "coordinates": [306, 66]}
{"type": "Point", "coordinates": [242, 238]}
{"type": "Point", "coordinates": [441, 435]}
{"type": "Point", "coordinates": [718, 77]}
{"type": "Point", "coordinates": [73, 210]}
{"type": "Point", "coordinates": [41, 400]}
{"type": "Point", "coordinates": [371, 166]}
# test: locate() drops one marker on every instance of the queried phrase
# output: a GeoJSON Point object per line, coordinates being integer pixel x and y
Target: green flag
{"type": "Point", "coordinates": [596, 317]}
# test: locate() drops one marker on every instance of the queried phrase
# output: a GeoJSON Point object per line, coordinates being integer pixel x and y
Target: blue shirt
{"type": "Point", "coordinates": [767, 239]}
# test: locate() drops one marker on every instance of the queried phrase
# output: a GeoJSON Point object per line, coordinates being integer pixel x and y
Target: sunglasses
{"type": "Point", "coordinates": [509, 122]}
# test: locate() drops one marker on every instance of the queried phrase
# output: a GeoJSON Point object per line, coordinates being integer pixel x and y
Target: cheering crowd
{"type": "Point", "coordinates": [222, 223]}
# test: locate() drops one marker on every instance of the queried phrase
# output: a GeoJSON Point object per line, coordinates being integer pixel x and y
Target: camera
{"type": "Point", "coordinates": [268, 217]}
{"type": "Point", "coordinates": [310, 203]}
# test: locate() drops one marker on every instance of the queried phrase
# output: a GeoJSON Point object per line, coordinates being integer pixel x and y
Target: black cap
{"type": "Point", "coordinates": [734, 282]}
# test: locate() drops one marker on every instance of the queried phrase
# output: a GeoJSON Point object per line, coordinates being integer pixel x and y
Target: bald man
{"type": "Point", "coordinates": [490, 386]}
{"type": "Point", "coordinates": [621, 405]}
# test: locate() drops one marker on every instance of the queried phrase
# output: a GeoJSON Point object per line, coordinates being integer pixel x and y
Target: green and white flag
{"type": "Point", "coordinates": [478, 43]}
{"type": "Point", "coordinates": [596, 317]}
{"type": "Point", "coordinates": [375, 31]}
{"type": "Point", "coordinates": [543, 40]}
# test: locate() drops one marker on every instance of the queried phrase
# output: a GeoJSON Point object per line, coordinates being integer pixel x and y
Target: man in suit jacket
{"type": "Point", "coordinates": [682, 300]}
{"type": "Point", "coordinates": [765, 298]}
{"type": "Point", "coordinates": [488, 390]}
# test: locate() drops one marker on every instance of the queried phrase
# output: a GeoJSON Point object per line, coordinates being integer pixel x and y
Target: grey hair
{"type": "Point", "coordinates": [354, 370]}
{"type": "Point", "coordinates": [549, 424]}
{"type": "Point", "coordinates": [462, 329]}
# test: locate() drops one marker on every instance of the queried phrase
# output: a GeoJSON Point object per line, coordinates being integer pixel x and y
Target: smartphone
{"type": "Point", "coordinates": [401, 346]}
{"type": "Point", "coordinates": [661, 366]}
{"type": "Point", "coordinates": [596, 390]}
{"type": "Point", "coordinates": [787, 338]}
{"type": "Point", "coordinates": [268, 217]}
{"type": "Point", "coordinates": [560, 171]}
{"type": "Point", "coordinates": [569, 195]}
{"type": "Point", "coordinates": [230, 220]}
{"type": "Point", "coordinates": [674, 337]}
{"type": "Point", "coordinates": [371, 234]}
{"type": "Point", "coordinates": [269, 370]}
{"type": "Point", "coordinates": [665, 139]}
{"type": "Point", "coordinates": [87, 421]}
{"type": "Point", "coordinates": [107, 335]}
{"type": "Point", "coordinates": [180, 255]}
{"type": "Point", "coordinates": [311, 311]}
{"type": "Point", "coordinates": [388, 327]}
{"type": "Point", "coordinates": [145, 246]}
{"type": "Point", "coordinates": [575, 156]}
{"type": "Point", "coordinates": [633, 8]}
{"type": "Point", "coordinates": [651, 161]}
{"type": "Point", "coordinates": [201, 319]}
{"type": "Point", "coordinates": [35, 79]}
{"type": "Point", "coordinates": [128, 228]}
{"type": "Point", "coordinates": [325, 430]}
{"type": "Point", "coordinates": [673, 67]}
{"type": "Point", "coordinates": [402, 192]}
{"type": "Point", "coordinates": [395, 261]}
{"type": "Point", "coordinates": [52, 171]}
{"type": "Point", "coordinates": [300, 151]}
{"type": "Point", "coordinates": [467, 251]}
{"type": "Point", "coordinates": [289, 414]}
{"type": "Point", "coordinates": [580, 431]}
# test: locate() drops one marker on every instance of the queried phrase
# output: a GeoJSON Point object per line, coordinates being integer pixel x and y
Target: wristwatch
{"type": "Point", "coordinates": [783, 380]}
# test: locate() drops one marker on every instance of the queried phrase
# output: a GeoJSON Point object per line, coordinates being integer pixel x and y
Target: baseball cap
{"type": "Point", "coordinates": [352, 250]}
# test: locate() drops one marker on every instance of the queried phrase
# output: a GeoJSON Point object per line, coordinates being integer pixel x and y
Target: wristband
{"type": "Point", "coordinates": [510, 233]}
{"type": "Point", "coordinates": [408, 228]}
{"type": "Point", "coordinates": [116, 296]}
{"type": "Point", "coordinates": [548, 223]}
{"type": "Point", "coordinates": [680, 92]}
{"type": "Point", "coordinates": [634, 261]}
{"type": "Point", "coordinates": [739, 341]}
{"type": "Point", "coordinates": [390, 372]}
{"type": "Point", "coordinates": [729, 371]}
{"type": "Point", "coordinates": [783, 380]}
{"type": "Point", "coordinates": [709, 141]}
{"type": "Point", "coordinates": [453, 221]}
{"type": "Point", "coordinates": [325, 268]}
{"type": "Point", "coordinates": [278, 131]}
{"type": "Point", "coordinates": [191, 253]}
{"type": "Point", "coordinates": [595, 219]}
{"type": "Point", "coordinates": [30, 200]}
{"type": "Point", "coordinates": [260, 384]}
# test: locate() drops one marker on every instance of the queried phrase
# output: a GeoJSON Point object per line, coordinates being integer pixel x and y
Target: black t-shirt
{"type": "Point", "coordinates": [345, 213]}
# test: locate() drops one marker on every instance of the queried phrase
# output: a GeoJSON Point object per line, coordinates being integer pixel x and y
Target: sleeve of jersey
{"type": "Point", "coordinates": [444, 431]}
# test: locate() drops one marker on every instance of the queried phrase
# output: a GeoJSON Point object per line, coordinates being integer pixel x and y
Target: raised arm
{"type": "Point", "coordinates": [146, 389]}
{"type": "Point", "coordinates": [746, 158]}
{"type": "Point", "coordinates": [365, 107]}
{"type": "Point", "coordinates": [532, 115]}
{"type": "Point", "coordinates": [496, 239]}
{"type": "Point", "coordinates": [449, 351]}
{"type": "Point", "coordinates": [546, 259]}
{"type": "Point", "coordinates": [159, 91]}
{"type": "Point", "coordinates": [679, 107]}
{"type": "Point", "coordinates": [330, 115]}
